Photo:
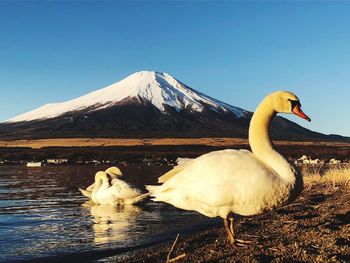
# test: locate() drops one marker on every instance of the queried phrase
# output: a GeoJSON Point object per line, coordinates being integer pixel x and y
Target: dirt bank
{"type": "Point", "coordinates": [315, 228]}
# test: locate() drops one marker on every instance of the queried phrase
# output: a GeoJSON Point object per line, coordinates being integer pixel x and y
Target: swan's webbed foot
{"type": "Point", "coordinates": [235, 243]}
{"type": "Point", "coordinates": [244, 243]}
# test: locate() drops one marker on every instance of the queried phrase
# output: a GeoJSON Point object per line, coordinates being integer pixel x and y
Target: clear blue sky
{"type": "Point", "coordinates": [234, 51]}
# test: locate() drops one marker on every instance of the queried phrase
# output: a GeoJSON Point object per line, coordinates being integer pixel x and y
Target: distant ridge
{"type": "Point", "coordinates": [146, 104]}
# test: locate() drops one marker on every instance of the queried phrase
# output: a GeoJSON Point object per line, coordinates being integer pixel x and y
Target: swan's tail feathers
{"type": "Point", "coordinates": [141, 197]}
{"type": "Point", "coordinates": [183, 161]}
{"type": "Point", "coordinates": [137, 199]}
{"type": "Point", "coordinates": [159, 194]}
{"type": "Point", "coordinates": [153, 189]}
{"type": "Point", "coordinates": [85, 193]}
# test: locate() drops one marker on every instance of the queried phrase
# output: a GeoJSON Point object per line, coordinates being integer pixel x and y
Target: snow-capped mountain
{"type": "Point", "coordinates": [145, 104]}
{"type": "Point", "coordinates": [160, 89]}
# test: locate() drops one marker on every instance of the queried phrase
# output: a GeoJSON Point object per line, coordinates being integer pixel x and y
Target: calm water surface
{"type": "Point", "coordinates": [42, 214]}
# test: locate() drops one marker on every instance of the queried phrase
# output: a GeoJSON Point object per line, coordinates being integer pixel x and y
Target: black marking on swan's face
{"type": "Point", "coordinates": [294, 103]}
{"type": "Point", "coordinates": [296, 109]}
{"type": "Point", "coordinates": [109, 179]}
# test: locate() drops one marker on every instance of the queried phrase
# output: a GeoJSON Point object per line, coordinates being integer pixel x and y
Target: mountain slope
{"type": "Point", "coordinates": [145, 104]}
{"type": "Point", "coordinates": [160, 89]}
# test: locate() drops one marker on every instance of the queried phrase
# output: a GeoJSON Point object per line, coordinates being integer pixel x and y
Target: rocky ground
{"type": "Point", "coordinates": [315, 228]}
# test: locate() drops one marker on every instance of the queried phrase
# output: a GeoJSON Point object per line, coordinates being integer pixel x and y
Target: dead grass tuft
{"type": "Point", "coordinates": [334, 176]}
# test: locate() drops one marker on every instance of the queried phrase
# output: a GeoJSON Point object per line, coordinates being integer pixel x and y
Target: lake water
{"type": "Point", "coordinates": [44, 216]}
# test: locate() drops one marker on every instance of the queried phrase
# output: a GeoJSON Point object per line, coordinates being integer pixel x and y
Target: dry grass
{"type": "Point", "coordinates": [96, 142]}
{"type": "Point", "coordinates": [334, 176]}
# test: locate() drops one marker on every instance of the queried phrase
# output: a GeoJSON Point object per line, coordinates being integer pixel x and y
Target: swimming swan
{"type": "Point", "coordinates": [113, 172]}
{"type": "Point", "coordinates": [227, 182]}
{"type": "Point", "coordinates": [117, 192]}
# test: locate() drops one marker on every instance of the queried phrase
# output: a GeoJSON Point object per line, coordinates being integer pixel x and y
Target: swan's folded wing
{"type": "Point", "coordinates": [85, 193]}
{"type": "Point", "coordinates": [88, 191]}
{"type": "Point", "coordinates": [219, 179]}
{"type": "Point", "coordinates": [124, 190]}
{"type": "Point", "coordinates": [136, 199]}
{"type": "Point", "coordinates": [90, 188]}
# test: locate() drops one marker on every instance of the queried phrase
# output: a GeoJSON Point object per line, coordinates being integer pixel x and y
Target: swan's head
{"type": "Point", "coordinates": [104, 177]}
{"type": "Point", "coordinates": [287, 102]}
{"type": "Point", "coordinates": [114, 172]}
{"type": "Point", "coordinates": [99, 176]}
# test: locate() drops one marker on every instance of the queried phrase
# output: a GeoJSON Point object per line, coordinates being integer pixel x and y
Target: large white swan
{"type": "Point", "coordinates": [228, 182]}
{"type": "Point", "coordinates": [112, 172]}
{"type": "Point", "coordinates": [117, 192]}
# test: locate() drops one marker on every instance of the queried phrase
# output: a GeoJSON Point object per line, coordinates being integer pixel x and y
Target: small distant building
{"type": "Point", "coordinates": [56, 161]}
{"type": "Point", "coordinates": [34, 164]}
{"type": "Point", "coordinates": [94, 162]}
{"type": "Point", "coordinates": [303, 159]}
{"type": "Point", "coordinates": [315, 161]}
{"type": "Point", "coordinates": [306, 160]}
{"type": "Point", "coordinates": [334, 161]}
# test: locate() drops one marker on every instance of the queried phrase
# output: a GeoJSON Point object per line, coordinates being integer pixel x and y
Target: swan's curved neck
{"type": "Point", "coordinates": [100, 180]}
{"type": "Point", "coordinates": [261, 145]}
{"type": "Point", "coordinates": [98, 183]}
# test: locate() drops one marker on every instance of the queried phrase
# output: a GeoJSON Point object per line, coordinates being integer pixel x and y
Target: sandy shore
{"type": "Point", "coordinates": [315, 228]}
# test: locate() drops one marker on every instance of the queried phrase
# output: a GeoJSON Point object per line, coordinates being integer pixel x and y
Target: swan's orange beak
{"type": "Point", "coordinates": [297, 111]}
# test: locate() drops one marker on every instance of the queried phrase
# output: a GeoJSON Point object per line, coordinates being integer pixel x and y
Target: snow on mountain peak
{"type": "Point", "coordinates": [158, 88]}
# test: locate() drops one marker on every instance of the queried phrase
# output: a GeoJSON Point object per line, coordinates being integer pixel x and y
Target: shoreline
{"type": "Point", "coordinates": [315, 228]}
{"type": "Point", "coordinates": [119, 253]}
{"type": "Point", "coordinates": [160, 150]}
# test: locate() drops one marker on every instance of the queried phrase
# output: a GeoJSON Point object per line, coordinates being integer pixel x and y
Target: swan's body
{"type": "Point", "coordinates": [113, 172]}
{"type": "Point", "coordinates": [117, 193]}
{"type": "Point", "coordinates": [227, 182]}
{"type": "Point", "coordinates": [221, 182]}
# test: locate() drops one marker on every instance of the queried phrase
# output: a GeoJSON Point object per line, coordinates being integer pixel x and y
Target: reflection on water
{"type": "Point", "coordinates": [42, 213]}
{"type": "Point", "coordinates": [112, 223]}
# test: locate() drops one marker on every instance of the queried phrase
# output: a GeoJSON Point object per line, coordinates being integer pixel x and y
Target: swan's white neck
{"type": "Point", "coordinates": [261, 145]}
{"type": "Point", "coordinates": [100, 183]}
